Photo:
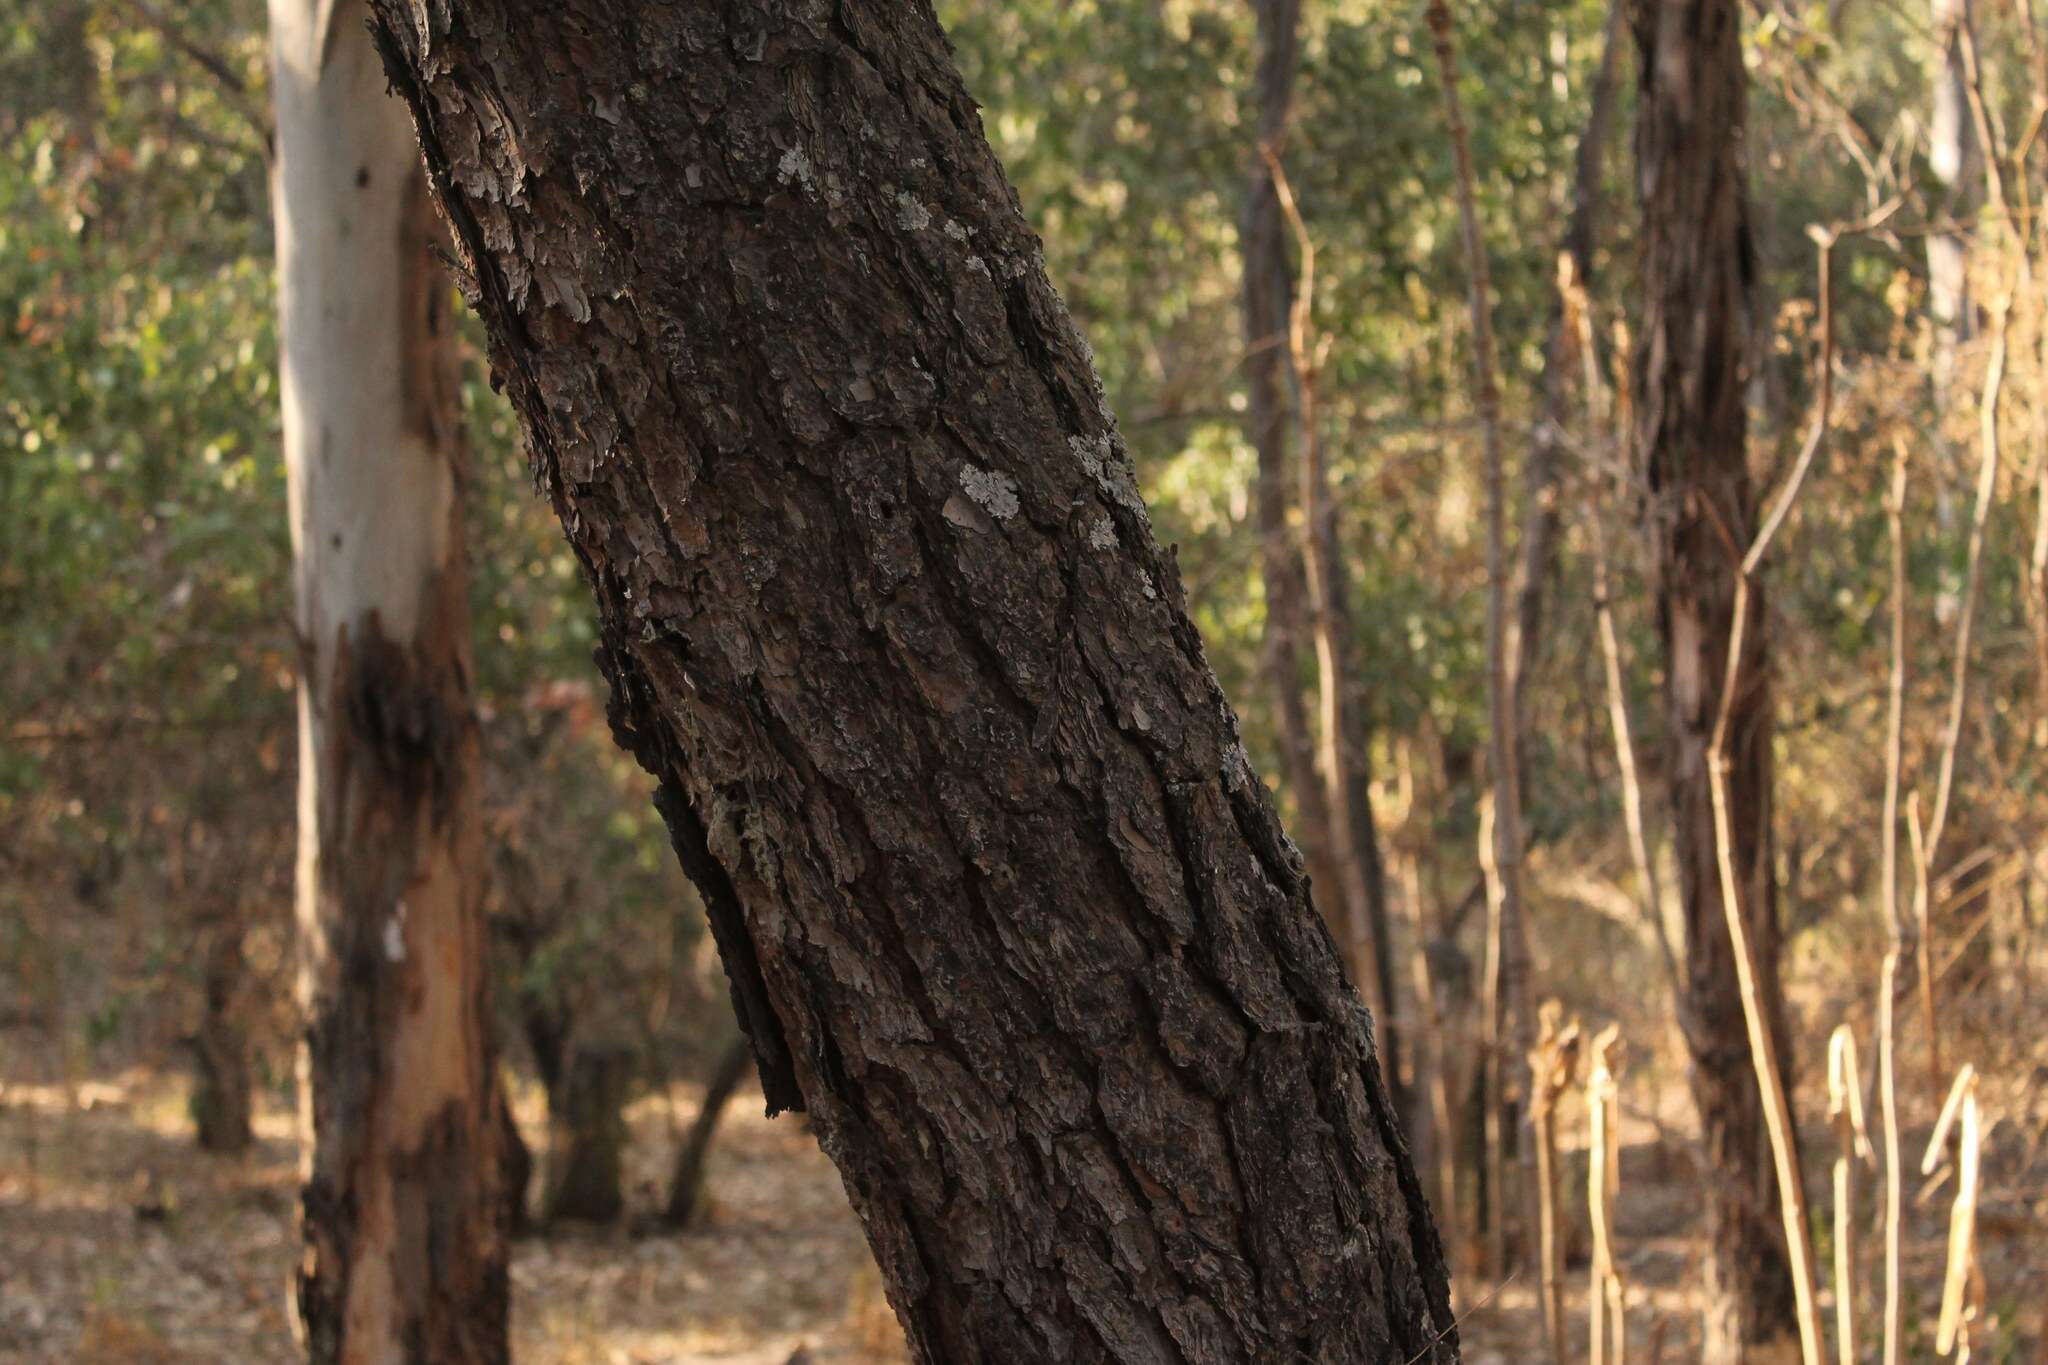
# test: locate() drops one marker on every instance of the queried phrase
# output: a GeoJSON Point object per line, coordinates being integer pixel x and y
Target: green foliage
{"type": "Point", "coordinates": [146, 653]}
{"type": "Point", "coordinates": [147, 659]}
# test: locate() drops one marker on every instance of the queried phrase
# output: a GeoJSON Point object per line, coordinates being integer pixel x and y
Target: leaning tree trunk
{"type": "Point", "coordinates": [404, 1248]}
{"type": "Point", "coordinates": [1001, 901]}
{"type": "Point", "coordinates": [1697, 265]}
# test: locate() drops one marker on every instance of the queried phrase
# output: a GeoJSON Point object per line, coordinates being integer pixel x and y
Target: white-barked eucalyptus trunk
{"type": "Point", "coordinates": [403, 1254]}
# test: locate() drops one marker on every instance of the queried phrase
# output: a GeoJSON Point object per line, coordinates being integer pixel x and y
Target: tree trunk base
{"type": "Point", "coordinates": [586, 1181]}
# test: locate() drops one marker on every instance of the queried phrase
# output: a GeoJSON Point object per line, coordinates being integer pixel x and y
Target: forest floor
{"type": "Point", "coordinates": [91, 1272]}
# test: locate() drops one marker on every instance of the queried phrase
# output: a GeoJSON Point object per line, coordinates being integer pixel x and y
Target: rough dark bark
{"type": "Point", "coordinates": [686, 1183]}
{"type": "Point", "coordinates": [1004, 907]}
{"type": "Point", "coordinates": [1691, 431]}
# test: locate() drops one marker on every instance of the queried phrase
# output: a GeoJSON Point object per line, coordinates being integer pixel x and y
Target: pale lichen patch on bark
{"type": "Point", "coordinates": [995, 902]}
{"type": "Point", "coordinates": [911, 216]}
{"type": "Point", "coordinates": [993, 490]}
{"type": "Point", "coordinates": [794, 166]}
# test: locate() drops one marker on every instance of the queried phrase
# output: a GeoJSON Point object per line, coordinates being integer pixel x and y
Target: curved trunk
{"type": "Point", "coordinates": [402, 1224]}
{"type": "Point", "coordinates": [686, 1181]}
{"type": "Point", "coordinates": [1691, 428]}
{"type": "Point", "coordinates": [1002, 903]}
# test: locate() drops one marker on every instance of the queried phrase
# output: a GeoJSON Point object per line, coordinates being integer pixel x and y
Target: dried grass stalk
{"type": "Point", "coordinates": [1845, 1108]}
{"type": "Point", "coordinates": [1887, 1062]}
{"type": "Point", "coordinates": [1962, 1290]}
{"type": "Point", "coordinates": [1553, 1063]}
{"type": "Point", "coordinates": [1606, 1296]}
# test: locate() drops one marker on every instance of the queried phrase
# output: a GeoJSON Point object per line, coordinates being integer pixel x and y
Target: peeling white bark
{"type": "Point", "coordinates": [403, 1257]}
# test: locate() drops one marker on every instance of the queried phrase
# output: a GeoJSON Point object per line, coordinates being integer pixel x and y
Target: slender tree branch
{"type": "Point", "coordinates": [1952, 731]}
{"type": "Point", "coordinates": [1825, 238]}
{"type": "Point", "coordinates": [1887, 1062]}
{"type": "Point", "coordinates": [1763, 1051]}
{"type": "Point", "coordinates": [1502, 742]}
{"type": "Point", "coordinates": [1330, 625]}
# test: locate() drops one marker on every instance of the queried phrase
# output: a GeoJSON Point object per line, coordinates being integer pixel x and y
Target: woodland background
{"type": "Point", "coordinates": [147, 655]}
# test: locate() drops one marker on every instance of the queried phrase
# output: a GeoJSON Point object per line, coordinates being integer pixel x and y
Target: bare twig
{"type": "Point", "coordinates": [1492, 1161]}
{"type": "Point", "coordinates": [1952, 733]}
{"type": "Point", "coordinates": [1988, 141]}
{"type": "Point", "coordinates": [1434, 1341]}
{"type": "Point", "coordinates": [1432, 1054]}
{"type": "Point", "coordinates": [1762, 1047]}
{"type": "Point", "coordinates": [1962, 1287]}
{"type": "Point", "coordinates": [2021, 225]}
{"type": "Point", "coordinates": [1502, 743]}
{"type": "Point", "coordinates": [1886, 1056]}
{"type": "Point", "coordinates": [1606, 1296]}
{"type": "Point", "coordinates": [1330, 624]}
{"type": "Point", "coordinates": [1825, 238]}
{"type": "Point", "coordinates": [1552, 1064]}
{"type": "Point", "coordinates": [1916, 840]}
{"type": "Point", "coordinates": [1651, 898]}
{"type": "Point", "coordinates": [1845, 1107]}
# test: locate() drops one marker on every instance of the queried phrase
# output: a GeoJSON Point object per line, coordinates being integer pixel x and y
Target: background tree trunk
{"type": "Point", "coordinates": [221, 1098]}
{"type": "Point", "coordinates": [1510, 1007]}
{"type": "Point", "coordinates": [686, 1182]}
{"type": "Point", "coordinates": [402, 1219]}
{"type": "Point", "coordinates": [1544, 471]}
{"type": "Point", "coordinates": [1329, 771]}
{"type": "Point", "coordinates": [587, 1134]}
{"type": "Point", "coordinates": [515, 1166]}
{"type": "Point", "coordinates": [1002, 903]}
{"type": "Point", "coordinates": [1691, 430]}
{"type": "Point", "coordinates": [1268, 288]}
{"type": "Point", "coordinates": [1951, 155]}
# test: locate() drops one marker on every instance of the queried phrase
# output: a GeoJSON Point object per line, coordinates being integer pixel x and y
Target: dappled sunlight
{"type": "Point", "coordinates": [1587, 464]}
{"type": "Point", "coordinates": [121, 1243]}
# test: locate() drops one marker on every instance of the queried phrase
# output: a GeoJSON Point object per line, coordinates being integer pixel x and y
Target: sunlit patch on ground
{"type": "Point", "coordinates": [122, 1244]}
